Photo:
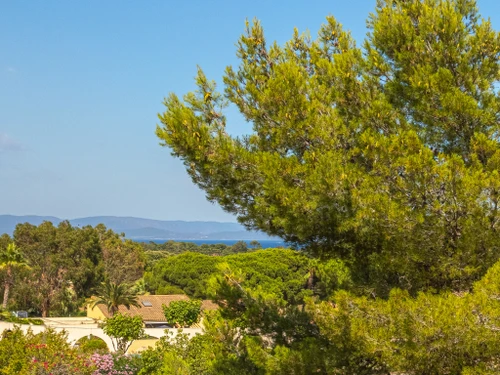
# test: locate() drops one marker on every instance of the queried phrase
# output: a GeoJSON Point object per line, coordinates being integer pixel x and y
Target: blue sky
{"type": "Point", "coordinates": [81, 83]}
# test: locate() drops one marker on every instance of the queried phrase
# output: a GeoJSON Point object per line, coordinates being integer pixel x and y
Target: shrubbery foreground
{"type": "Point", "coordinates": [446, 333]}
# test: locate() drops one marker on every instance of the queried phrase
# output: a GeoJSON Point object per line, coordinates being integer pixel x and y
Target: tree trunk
{"type": "Point", "coordinates": [310, 279]}
{"type": "Point", "coordinates": [45, 308]}
{"type": "Point", "coordinates": [6, 295]}
{"type": "Point", "coordinates": [6, 291]}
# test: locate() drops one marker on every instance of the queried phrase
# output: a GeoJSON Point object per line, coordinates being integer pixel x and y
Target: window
{"type": "Point", "coordinates": [147, 304]}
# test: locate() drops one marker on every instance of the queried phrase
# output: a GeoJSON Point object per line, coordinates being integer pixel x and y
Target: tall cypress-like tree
{"type": "Point", "coordinates": [386, 156]}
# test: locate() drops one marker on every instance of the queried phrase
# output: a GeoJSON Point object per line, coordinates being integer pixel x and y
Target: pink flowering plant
{"type": "Point", "coordinates": [45, 353]}
{"type": "Point", "coordinates": [114, 364]}
{"type": "Point", "coordinates": [53, 359]}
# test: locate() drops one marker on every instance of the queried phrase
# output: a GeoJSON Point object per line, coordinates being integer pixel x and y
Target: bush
{"type": "Point", "coordinates": [182, 313]}
{"type": "Point", "coordinates": [42, 354]}
{"type": "Point", "coordinates": [92, 345]}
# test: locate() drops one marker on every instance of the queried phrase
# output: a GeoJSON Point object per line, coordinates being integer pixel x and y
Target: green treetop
{"type": "Point", "coordinates": [386, 156]}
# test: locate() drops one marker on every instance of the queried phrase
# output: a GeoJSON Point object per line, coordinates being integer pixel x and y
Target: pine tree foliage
{"type": "Point", "coordinates": [448, 333]}
{"type": "Point", "coordinates": [386, 156]}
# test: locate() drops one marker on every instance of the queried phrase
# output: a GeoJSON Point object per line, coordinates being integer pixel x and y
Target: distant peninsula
{"type": "Point", "coordinates": [147, 229]}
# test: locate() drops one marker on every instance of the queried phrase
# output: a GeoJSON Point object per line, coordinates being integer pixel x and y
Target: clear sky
{"type": "Point", "coordinates": [81, 83]}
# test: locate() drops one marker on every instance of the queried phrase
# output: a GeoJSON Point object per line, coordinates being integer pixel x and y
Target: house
{"type": "Point", "coordinates": [150, 310]}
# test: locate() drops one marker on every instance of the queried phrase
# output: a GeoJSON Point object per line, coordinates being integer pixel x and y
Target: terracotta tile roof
{"type": "Point", "coordinates": [154, 313]}
{"type": "Point", "coordinates": [208, 305]}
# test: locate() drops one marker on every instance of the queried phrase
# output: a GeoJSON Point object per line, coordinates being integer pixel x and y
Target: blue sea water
{"type": "Point", "coordinates": [266, 244]}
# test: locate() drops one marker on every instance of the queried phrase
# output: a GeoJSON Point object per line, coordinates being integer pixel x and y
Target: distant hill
{"type": "Point", "coordinates": [147, 229]}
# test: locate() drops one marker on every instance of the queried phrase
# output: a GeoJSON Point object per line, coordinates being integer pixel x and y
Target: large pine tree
{"type": "Point", "coordinates": [386, 156]}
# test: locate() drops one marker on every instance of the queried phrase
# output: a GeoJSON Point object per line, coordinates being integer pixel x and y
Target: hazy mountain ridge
{"type": "Point", "coordinates": [144, 229]}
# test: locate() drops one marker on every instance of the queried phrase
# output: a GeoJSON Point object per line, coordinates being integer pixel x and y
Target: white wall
{"type": "Point", "coordinates": [77, 332]}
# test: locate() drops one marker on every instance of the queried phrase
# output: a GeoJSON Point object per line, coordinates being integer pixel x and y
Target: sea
{"type": "Point", "coordinates": [266, 244]}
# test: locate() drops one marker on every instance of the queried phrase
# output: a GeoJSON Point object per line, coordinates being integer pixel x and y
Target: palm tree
{"type": "Point", "coordinates": [10, 259]}
{"type": "Point", "coordinates": [140, 287]}
{"type": "Point", "coordinates": [113, 295]}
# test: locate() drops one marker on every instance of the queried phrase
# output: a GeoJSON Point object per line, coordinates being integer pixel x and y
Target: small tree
{"type": "Point", "coordinates": [10, 260]}
{"type": "Point", "coordinates": [123, 330]}
{"type": "Point", "coordinates": [255, 244]}
{"type": "Point", "coordinates": [239, 247]}
{"type": "Point", "coordinates": [182, 313]}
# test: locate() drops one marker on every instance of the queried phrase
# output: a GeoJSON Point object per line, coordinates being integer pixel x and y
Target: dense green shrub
{"type": "Point", "coordinates": [92, 345]}
{"type": "Point", "coordinates": [182, 313]}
